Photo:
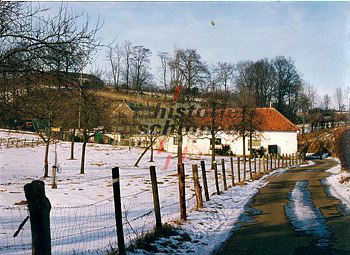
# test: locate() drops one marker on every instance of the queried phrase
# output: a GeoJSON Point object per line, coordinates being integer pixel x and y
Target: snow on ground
{"type": "Point", "coordinates": [212, 225]}
{"type": "Point", "coordinates": [339, 184]}
{"type": "Point", "coordinates": [304, 216]}
{"type": "Point", "coordinates": [82, 215]}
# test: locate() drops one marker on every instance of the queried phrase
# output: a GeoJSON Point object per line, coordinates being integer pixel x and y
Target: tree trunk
{"type": "Point", "coordinates": [151, 159]}
{"type": "Point", "coordinates": [143, 153]}
{"type": "Point", "coordinates": [250, 143]}
{"type": "Point", "coordinates": [46, 161]}
{"type": "Point", "coordinates": [179, 146]}
{"type": "Point", "coordinates": [244, 159]}
{"type": "Point", "coordinates": [212, 136]}
{"type": "Point", "coordinates": [72, 145]}
{"type": "Point", "coordinates": [82, 164]}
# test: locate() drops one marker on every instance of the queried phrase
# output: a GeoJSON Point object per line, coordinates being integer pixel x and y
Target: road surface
{"type": "Point", "coordinates": [270, 230]}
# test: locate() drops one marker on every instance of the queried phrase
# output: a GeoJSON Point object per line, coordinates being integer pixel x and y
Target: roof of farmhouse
{"type": "Point", "coordinates": [264, 119]}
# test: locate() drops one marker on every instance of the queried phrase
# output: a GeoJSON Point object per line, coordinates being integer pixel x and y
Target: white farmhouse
{"type": "Point", "coordinates": [273, 129]}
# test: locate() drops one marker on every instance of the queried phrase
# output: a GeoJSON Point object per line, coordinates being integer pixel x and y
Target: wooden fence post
{"type": "Point", "coordinates": [181, 178]}
{"type": "Point", "coordinates": [197, 186]}
{"type": "Point", "coordinates": [8, 141]}
{"type": "Point", "coordinates": [244, 168]}
{"type": "Point", "coordinates": [263, 164]}
{"type": "Point", "coordinates": [24, 143]}
{"type": "Point", "coordinates": [239, 169]}
{"type": "Point", "coordinates": [118, 210]}
{"type": "Point", "coordinates": [224, 173]}
{"type": "Point", "coordinates": [250, 167]}
{"type": "Point", "coordinates": [259, 164]}
{"type": "Point", "coordinates": [54, 184]}
{"type": "Point", "coordinates": [290, 160]}
{"type": "Point", "coordinates": [254, 164]}
{"type": "Point", "coordinates": [39, 211]}
{"type": "Point", "coordinates": [33, 142]}
{"type": "Point", "coordinates": [267, 162]}
{"type": "Point", "coordinates": [216, 178]}
{"type": "Point", "coordinates": [205, 183]}
{"type": "Point", "coordinates": [275, 159]}
{"type": "Point", "coordinates": [279, 160]}
{"type": "Point", "coordinates": [156, 198]}
{"type": "Point", "coordinates": [271, 162]}
{"type": "Point", "coordinates": [232, 171]}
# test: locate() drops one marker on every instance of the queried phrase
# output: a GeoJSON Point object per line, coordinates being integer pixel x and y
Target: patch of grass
{"type": "Point", "coordinates": [148, 240]}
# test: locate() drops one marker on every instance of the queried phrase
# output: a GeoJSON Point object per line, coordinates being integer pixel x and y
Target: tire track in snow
{"type": "Point", "coordinates": [305, 217]}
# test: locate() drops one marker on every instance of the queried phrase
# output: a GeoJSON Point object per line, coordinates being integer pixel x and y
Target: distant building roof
{"type": "Point", "coordinates": [265, 119]}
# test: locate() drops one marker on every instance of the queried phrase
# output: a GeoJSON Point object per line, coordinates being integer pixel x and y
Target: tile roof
{"type": "Point", "coordinates": [265, 119]}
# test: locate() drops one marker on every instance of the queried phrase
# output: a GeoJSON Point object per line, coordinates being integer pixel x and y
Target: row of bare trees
{"type": "Point", "coordinates": [42, 58]}
{"type": "Point", "coordinates": [129, 66]}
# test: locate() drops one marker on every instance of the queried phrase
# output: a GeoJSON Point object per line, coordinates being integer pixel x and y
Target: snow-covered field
{"type": "Point", "coordinates": [82, 215]}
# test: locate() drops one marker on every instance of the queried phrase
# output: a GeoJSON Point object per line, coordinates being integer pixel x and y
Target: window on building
{"type": "Point", "coordinates": [175, 141]}
{"type": "Point", "coordinates": [255, 144]}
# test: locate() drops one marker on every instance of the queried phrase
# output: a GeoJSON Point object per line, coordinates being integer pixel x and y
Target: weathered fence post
{"type": "Point", "coordinates": [118, 210]}
{"type": "Point", "coordinates": [279, 160]}
{"type": "Point", "coordinates": [259, 165]}
{"type": "Point", "coordinates": [250, 167]}
{"type": "Point", "coordinates": [271, 162]}
{"type": "Point", "coordinates": [275, 159]}
{"type": "Point", "coordinates": [39, 212]}
{"type": "Point", "coordinates": [244, 168]}
{"type": "Point", "coordinates": [267, 162]}
{"type": "Point", "coordinates": [232, 171]}
{"type": "Point", "coordinates": [155, 198]}
{"type": "Point", "coordinates": [205, 183]}
{"type": "Point", "coordinates": [263, 164]}
{"type": "Point", "coordinates": [223, 173]}
{"type": "Point", "coordinates": [197, 187]}
{"type": "Point", "coordinates": [181, 178]}
{"type": "Point", "coordinates": [54, 184]}
{"type": "Point", "coordinates": [24, 143]}
{"type": "Point", "coordinates": [216, 178]}
{"type": "Point", "coordinates": [33, 142]}
{"type": "Point", "coordinates": [254, 164]}
{"type": "Point", "coordinates": [239, 169]}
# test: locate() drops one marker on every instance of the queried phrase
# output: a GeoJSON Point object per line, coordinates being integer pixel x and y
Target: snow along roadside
{"type": "Point", "coordinates": [212, 225]}
{"type": "Point", "coordinates": [339, 184]}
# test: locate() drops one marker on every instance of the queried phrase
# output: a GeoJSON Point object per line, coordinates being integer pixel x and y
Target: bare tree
{"type": "Point", "coordinates": [339, 99]}
{"type": "Point", "coordinates": [288, 86]}
{"type": "Point", "coordinates": [164, 60]}
{"type": "Point", "coordinates": [225, 73]}
{"type": "Point", "coordinates": [191, 72]}
{"type": "Point", "coordinates": [127, 56]}
{"type": "Point", "coordinates": [140, 65]}
{"type": "Point", "coordinates": [114, 56]}
{"type": "Point", "coordinates": [326, 102]}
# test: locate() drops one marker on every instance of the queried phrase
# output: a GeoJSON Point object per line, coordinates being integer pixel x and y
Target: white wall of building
{"type": "Point", "coordinates": [286, 142]}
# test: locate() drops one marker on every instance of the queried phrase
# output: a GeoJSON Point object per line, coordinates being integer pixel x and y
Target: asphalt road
{"type": "Point", "coordinates": [270, 231]}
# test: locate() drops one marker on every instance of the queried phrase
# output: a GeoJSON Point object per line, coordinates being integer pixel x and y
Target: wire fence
{"type": "Point", "coordinates": [91, 229]}
{"type": "Point", "coordinates": [6, 143]}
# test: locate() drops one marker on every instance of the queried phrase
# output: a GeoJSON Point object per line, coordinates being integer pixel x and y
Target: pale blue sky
{"type": "Point", "coordinates": [315, 34]}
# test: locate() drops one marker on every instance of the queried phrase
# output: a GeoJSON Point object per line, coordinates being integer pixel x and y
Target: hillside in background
{"type": "Point", "coordinates": [335, 141]}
